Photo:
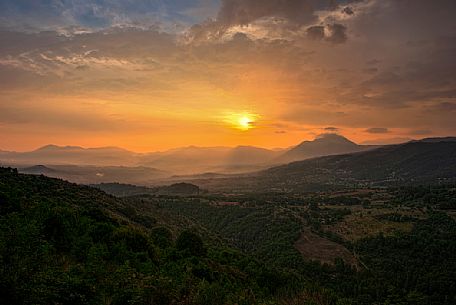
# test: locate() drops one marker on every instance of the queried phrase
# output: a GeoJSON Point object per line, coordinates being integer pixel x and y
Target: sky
{"type": "Point", "coordinates": [151, 75]}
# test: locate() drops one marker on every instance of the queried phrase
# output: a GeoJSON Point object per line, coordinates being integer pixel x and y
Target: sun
{"type": "Point", "coordinates": [245, 122]}
{"type": "Point", "coordinates": [241, 120]}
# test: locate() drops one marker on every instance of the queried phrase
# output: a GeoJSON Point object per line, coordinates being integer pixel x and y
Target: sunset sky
{"type": "Point", "coordinates": [155, 74]}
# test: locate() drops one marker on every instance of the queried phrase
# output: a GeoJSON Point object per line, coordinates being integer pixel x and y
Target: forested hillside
{"type": "Point", "coordinates": [61, 243]}
{"type": "Point", "coordinates": [66, 244]}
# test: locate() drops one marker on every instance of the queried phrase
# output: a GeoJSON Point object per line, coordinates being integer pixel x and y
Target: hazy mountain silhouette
{"type": "Point", "coordinates": [53, 154]}
{"type": "Point", "coordinates": [427, 161]}
{"type": "Point", "coordinates": [39, 170]}
{"type": "Point", "coordinates": [186, 160]}
{"type": "Point", "coordinates": [87, 174]}
{"type": "Point", "coordinates": [191, 160]}
{"type": "Point", "coordinates": [324, 145]}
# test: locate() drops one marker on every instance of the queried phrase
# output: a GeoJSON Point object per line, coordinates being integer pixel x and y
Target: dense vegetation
{"type": "Point", "coordinates": [65, 244]}
{"type": "Point", "coordinates": [61, 243]}
{"type": "Point", "coordinates": [416, 267]}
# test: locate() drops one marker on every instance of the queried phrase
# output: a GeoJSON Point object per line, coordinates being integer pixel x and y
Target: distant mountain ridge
{"type": "Point", "coordinates": [186, 160]}
{"type": "Point", "coordinates": [87, 174]}
{"type": "Point", "coordinates": [420, 161]}
{"type": "Point", "coordinates": [325, 145]}
{"type": "Point", "coordinates": [416, 162]}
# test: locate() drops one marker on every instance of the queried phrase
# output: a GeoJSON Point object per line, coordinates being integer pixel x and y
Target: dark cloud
{"type": "Point", "coordinates": [335, 33]}
{"type": "Point", "coordinates": [279, 17]}
{"type": "Point", "coordinates": [446, 107]}
{"type": "Point", "coordinates": [389, 141]}
{"type": "Point", "coordinates": [348, 10]}
{"type": "Point", "coordinates": [377, 130]}
{"type": "Point", "coordinates": [331, 129]}
{"type": "Point", "coordinates": [421, 132]}
{"type": "Point", "coordinates": [370, 70]}
{"type": "Point", "coordinates": [316, 32]}
{"type": "Point", "coordinates": [242, 12]}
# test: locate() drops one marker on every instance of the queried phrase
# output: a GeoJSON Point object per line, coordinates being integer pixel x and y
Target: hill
{"type": "Point", "coordinates": [425, 162]}
{"type": "Point", "coordinates": [413, 162]}
{"type": "Point", "coordinates": [61, 243]}
{"type": "Point", "coordinates": [123, 190]}
{"type": "Point", "coordinates": [193, 160]}
{"type": "Point", "coordinates": [189, 160]}
{"type": "Point", "coordinates": [74, 155]}
{"type": "Point", "coordinates": [86, 174]}
{"type": "Point", "coordinates": [324, 145]}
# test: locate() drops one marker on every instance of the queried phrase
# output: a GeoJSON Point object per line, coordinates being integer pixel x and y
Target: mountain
{"type": "Point", "coordinates": [123, 190]}
{"type": "Point", "coordinates": [192, 159]}
{"type": "Point", "coordinates": [418, 162]}
{"type": "Point", "coordinates": [186, 160]}
{"type": "Point", "coordinates": [75, 155]}
{"type": "Point", "coordinates": [39, 170]}
{"type": "Point", "coordinates": [324, 145]}
{"type": "Point", "coordinates": [425, 162]}
{"type": "Point", "coordinates": [433, 140]}
{"type": "Point", "coordinates": [88, 174]}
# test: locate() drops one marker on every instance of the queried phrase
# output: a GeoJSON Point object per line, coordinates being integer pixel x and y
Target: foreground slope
{"type": "Point", "coordinates": [61, 243]}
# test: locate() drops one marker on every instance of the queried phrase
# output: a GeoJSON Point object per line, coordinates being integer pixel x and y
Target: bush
{"type": "Point", "coordinates": [191, 243]}
{"type": "Point", "coordinates": [161, 237]}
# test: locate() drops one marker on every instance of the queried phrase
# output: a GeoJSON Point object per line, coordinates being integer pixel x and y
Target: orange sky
{"type": "Point", "coordinates": [366, 75]}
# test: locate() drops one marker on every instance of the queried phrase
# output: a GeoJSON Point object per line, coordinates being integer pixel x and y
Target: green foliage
{"type": "Point", "coordinates": [190, 243]}
{"type": "Point", "coordinates": [161, 237]}
{"type": "Point", "coordinates": [67, 244]}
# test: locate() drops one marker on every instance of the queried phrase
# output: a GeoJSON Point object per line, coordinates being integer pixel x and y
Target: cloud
{"type": "Point", "coordinates": [377, 130]}
{"type": "Point", "coordinates": [275, 19]}
{"type": "Point", "coordinates": [420, 132]}
{"type": "Point", "coordinates": [335, 33]}
{"type": "Point", "coordinates": [331, 129]}
{"type": "Point", "coordinates": [446, 106]}
{"type": "Point", "coordinates": [316, 32]}
{"type": "Point", "coordinates": [243, 12]}
{"type": "Point", "coordinates": [388, 141]}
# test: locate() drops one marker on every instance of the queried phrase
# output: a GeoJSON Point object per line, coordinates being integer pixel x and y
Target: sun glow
{"type": "Point", "coordinates": [243, 121]}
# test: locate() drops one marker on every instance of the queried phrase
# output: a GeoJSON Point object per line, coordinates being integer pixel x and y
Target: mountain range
{"type": "Point", "coordinates": [329, 161]}
{"type": "Point", "coordinates": [428, 161]}
{"type": "Point", "coordinates": [186, 160]}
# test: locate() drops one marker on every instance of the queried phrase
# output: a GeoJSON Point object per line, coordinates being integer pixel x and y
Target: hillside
{"type": "Point", "coordinates": [66, 244]}
{"type": "Point", "coordinates": [61, 243]}
{"type": "Point", "coordinates": [124, 190]}
{"type": "Point", "coordinates": [425, 162]}
{"type": "Point", "coordinates": [87, 174]}
{"type": "Point", "coordinates": [417, 162]}
{"type": "Point", "coordinates": [324, 145]}
{"type": "Point", "coordinates": [74, 155]}
{"type": "Point", "coordinates": [192, 159]}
